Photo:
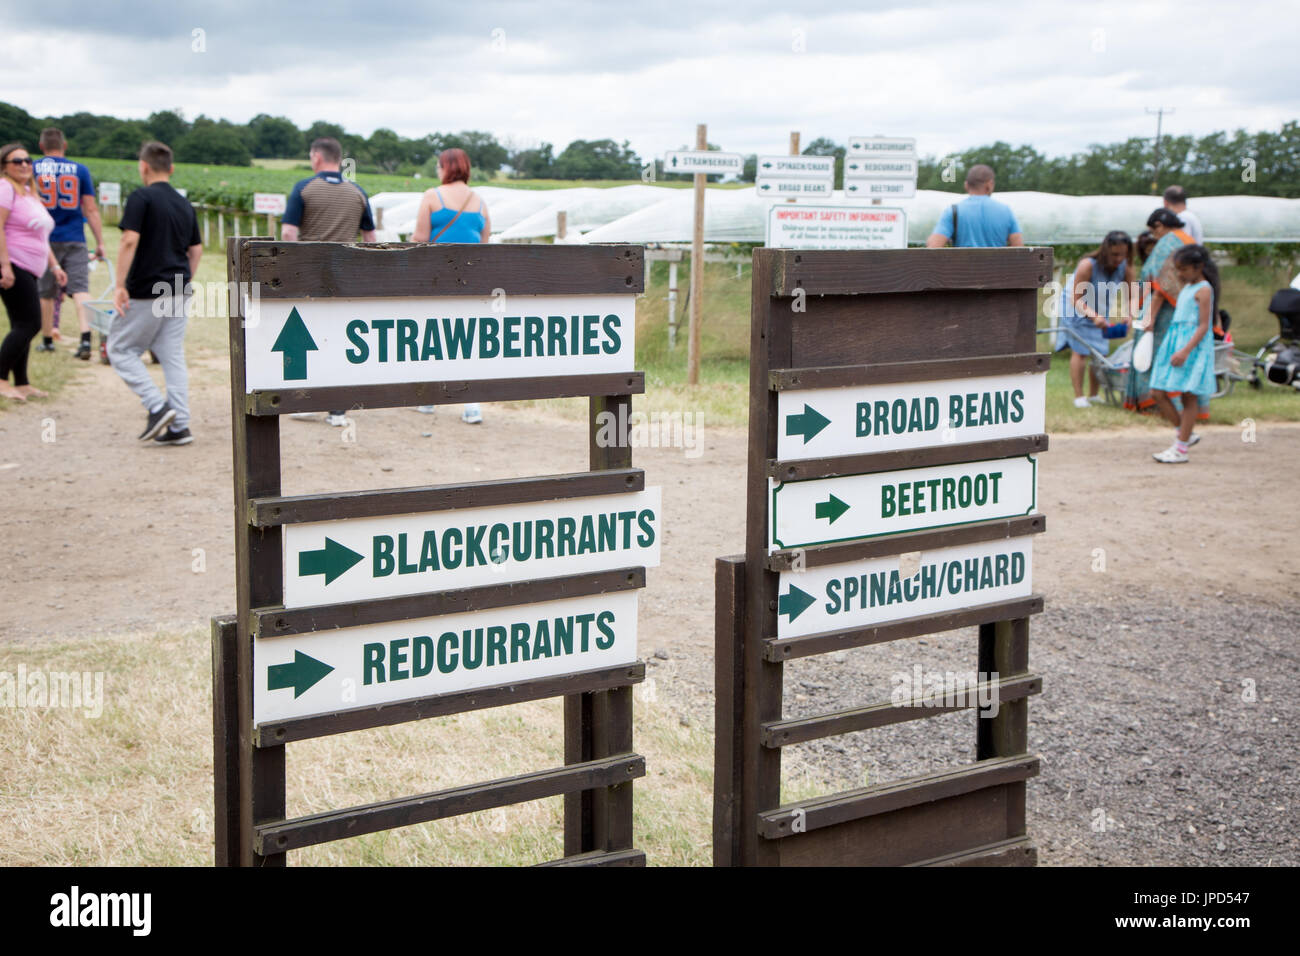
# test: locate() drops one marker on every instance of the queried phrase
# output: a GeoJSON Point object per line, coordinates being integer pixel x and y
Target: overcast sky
{"type": "Point", "coordinates": [954, 75]}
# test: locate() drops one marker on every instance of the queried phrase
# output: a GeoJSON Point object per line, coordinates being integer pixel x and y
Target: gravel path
{"type": "Point", "coordinates": [1151, 751]}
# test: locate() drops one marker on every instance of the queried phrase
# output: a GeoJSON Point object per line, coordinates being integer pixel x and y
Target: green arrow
{"type": "Point", "coordinates": [767, 165]}
{"type": "Point", "coordinates": [301, 675]}
{"type": "Point", "coordinates": [831, 508]}
{"type": "Point", "coordinates": [807, 424]}
{"type": "Point", "coordinates": [794, 603]}
{"type": "Point", "coordinates": [765, 186]}
{"type": "Point", "coordinates": [295, 342]}
{"type": "Point", "coordinates": [331, 560]}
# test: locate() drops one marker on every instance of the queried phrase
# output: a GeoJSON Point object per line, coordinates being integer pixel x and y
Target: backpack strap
{"type": "Point", "coordinates": [453, 218]}
{"type": "Point", "coordinates": [954, 224]}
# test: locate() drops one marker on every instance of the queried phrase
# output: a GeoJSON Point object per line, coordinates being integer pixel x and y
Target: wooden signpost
{"type": "Point", "coordinates": [896, 408]}
{"type": "Point", "coordinates": [365, 609]}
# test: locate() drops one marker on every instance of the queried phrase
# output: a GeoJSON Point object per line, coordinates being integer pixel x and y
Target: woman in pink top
{"type": "Point", "coordinates": [24, 255]}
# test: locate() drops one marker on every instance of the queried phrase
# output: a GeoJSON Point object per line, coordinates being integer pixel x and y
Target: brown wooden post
{"type": "Point", "coordinates": [561, 224]}
{"type": "Point", "coordinates": [728, 706]}
{"type": "Point", "coordinates": [258, 579]}
{"type": "Point", "coordinates": [697, 269]}
{"type": "Point", "coordinates": [225, 741]}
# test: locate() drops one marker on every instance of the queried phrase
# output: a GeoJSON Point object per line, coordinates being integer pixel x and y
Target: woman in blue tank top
{"type": "Point", "coordinates": [1086, 305]}
{"type": "Point", "coordinates": [453, 212]}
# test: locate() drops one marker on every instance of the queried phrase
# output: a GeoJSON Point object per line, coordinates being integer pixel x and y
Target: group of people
{"type": "Point", "coordinates": [1176, 302]}
{"type": "Point", "coordinates": [46, 204]}
{"type": "Point", "coordinates": [1174, 298]}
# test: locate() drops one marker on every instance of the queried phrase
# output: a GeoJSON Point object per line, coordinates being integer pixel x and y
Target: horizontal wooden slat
{"type": "Point", "coordinates": [275, 622]}
{"type": "Point", "coordinates": [1017, 851]}
{"type": "Point", "coordinates": [865, 272]}
{"type": "Point", "coordinates": [360, 397]}
{"type": "Point", "coordinates": [821, 555]}
{"type": "Point", "coordinates": [405, 811]}
{"type": "Point", "coordinates": [890, 373]}
{"type": "Point", "coordinates": [298, 509]}
{"type": "Point", "coordinates": [869, 801]}
{"type": "Point", "coordinates": [316, 270]}
{"type": "Point", "coordinates": [277, 732]}
{"type": "Point", "coordinates": [798, 730]}
{"type": "Point", "coordinates": [907, 458]}
{"type": "Point", "coordinates": [601, 858]}
{"type": "Point", "coordinates": [790, 648]}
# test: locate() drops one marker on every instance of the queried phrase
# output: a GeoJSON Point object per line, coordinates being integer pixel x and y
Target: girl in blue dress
{"type": "Point", "coordinates": [1185, 363]}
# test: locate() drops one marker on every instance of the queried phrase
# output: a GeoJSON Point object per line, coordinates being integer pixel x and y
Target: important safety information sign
{"type": "Point", "coordinates": [836, 227]}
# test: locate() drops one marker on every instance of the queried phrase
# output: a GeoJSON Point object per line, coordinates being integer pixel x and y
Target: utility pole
{"type": "Point", "coordinates": [697, 268]}
{"type": "Point", "coordinates": [1159, 112]}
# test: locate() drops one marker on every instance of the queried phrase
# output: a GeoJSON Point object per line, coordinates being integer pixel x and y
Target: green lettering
{"type": "Point", "coordinates": [373, 668]}
{"type": "Point", "coordinates": [408, 330]}
{"type": "Point", "coordinates": [381, 328]}
{"type": "Point", "coordinates": [382, 546]}
{"type": "Point", "coordinates": [422, 656]}
{"type": "Point", "coordinates": [360, 350]}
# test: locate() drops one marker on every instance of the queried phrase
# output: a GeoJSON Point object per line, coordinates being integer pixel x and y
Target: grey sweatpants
{"type": "Point", "coordinates": [156, 325]}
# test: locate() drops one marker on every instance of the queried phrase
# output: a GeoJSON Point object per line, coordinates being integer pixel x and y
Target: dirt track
{"type": "Point", "coordinates": [106, 535]}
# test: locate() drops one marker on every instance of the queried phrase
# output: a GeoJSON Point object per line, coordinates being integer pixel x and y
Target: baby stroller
{"type": "Point", "coordinates": [1279, 359]}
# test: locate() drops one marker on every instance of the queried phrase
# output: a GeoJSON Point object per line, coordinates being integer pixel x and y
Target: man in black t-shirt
{"type": "Point", "coordinates": [159, 255]}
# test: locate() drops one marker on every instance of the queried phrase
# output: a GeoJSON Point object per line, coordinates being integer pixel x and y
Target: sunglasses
{"type": "Point", "coordinates": [24, 161]}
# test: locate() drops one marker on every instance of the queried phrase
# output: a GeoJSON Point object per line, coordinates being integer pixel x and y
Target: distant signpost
{"type": "Point", "coordinates": [705, 161]}
{"type": "Point", "coordinates": [881, 167]}
{"type": "Point", "coordinates": [795, 177]}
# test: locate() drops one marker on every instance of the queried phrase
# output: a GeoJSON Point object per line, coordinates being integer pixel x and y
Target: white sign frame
{"type": "Point", "coordinates": [343, 650]}
{"type": "Point", "coordinates": [796, 167]}
{"type": "Point", "coordinates": [933, 574]}
{"type": "Point", "coordinates": [928, 405]}
{"type": "Point", "coordinates": [449, 534]}
{"type": "Point", "coordinates": [793, 521]}
{"type": "Point", "coordinates": [588, 320]}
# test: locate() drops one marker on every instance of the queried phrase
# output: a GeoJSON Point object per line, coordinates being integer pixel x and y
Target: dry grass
{"type": "Point", "coordinates": [133, 787]}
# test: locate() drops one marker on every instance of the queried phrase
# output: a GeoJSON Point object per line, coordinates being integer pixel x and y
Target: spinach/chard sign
{"type": "Point", "coordinates": [316, 343]}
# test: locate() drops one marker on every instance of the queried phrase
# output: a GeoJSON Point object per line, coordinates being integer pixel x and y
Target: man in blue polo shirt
{"type": "Point", "coordinates": [981, 220]}
{"type": "Point", "coordinates": [68, 193]}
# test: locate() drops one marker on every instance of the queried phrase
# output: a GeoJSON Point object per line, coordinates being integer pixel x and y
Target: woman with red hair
{"type": "Point", "coordinates": [453, 212]}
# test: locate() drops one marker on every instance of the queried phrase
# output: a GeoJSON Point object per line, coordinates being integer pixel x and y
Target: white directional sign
{"type": "Point", "coordinates": [836, 227]}
{"type": "Point", "coordinates": [880, 188]}
{"type": "Point", "coordinates": [882, 146]}
{"type": "Point", "coordinates": [793, 167]}
{"type": "Point", "coordinates": [826, 510]}
{"type": "Point", "coordinates": [866, 593]}
{"type": "Point", "coordinates": [322, 672]}
{"type": "Point", "coordinates": [110, 194]}
{"type": "Point", "coordinates": [792, 188]}
{"type": "Point", "coordinates": [826, 422]}
{"type": "Point", "coordinates": [330, 562]}
{"type": "Point", "coordinates": [709, 161]}
{"type": "Point", "coordinates": [313, 343]}
{"type": "Point", "coordinates": [272, 203]}
{"type": "Point", "coordinates": [888, 167]}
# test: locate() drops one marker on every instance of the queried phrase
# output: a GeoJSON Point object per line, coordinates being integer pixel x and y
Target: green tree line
{"type": "Point", "coordinates": [223, 143]}
{"type": "Point", "coordinates": [1263, 163]}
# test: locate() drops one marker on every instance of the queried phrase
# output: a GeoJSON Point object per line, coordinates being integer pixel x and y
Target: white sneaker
{"type": "Point", "coordinates": [426, 409]}
{"type": "Point", "coordinates": [1080, 402]}
{"type": "Point", "coordinates": [1171, 456]}
{"type": "Point", "coordinates": [1193, 439]}
{"type": "Point", "coordinates": [304, 416]}
{"type": "Point", "coordinates": [338, 421]}
{"type": "Point", "coordinates": [1096, 400]}
{"type": "Point", "coordinates": [471, 415]}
